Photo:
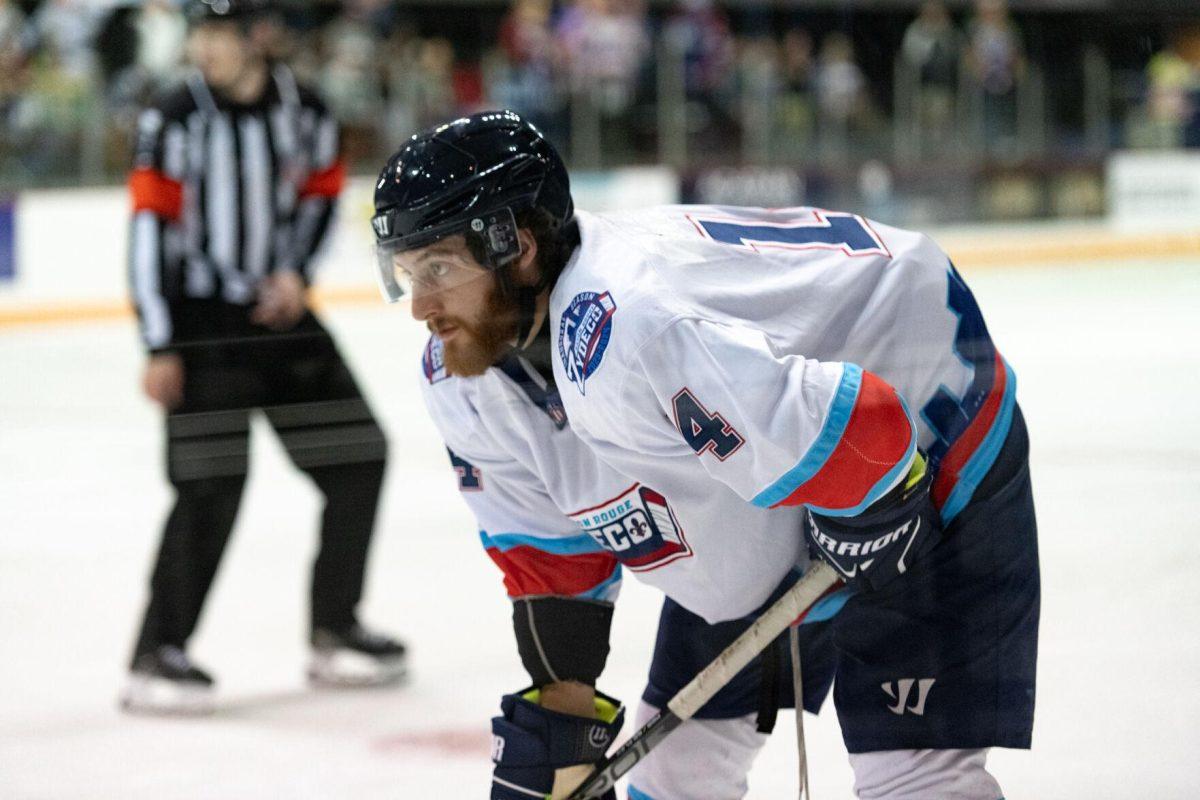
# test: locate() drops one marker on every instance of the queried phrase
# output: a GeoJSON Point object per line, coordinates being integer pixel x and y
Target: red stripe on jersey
{"type": "Point", "coordinates": [528, 571]}
{"type": "Point", "coordinates": [968, 442]}
{"type": "Point", "coordinates": [327, 182]}
{"type": "Point", "coordinates": [876, 438]}
{"type": "Point", "coordinates": [151, 190]}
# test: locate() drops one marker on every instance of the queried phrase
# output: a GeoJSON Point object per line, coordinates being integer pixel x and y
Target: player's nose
{"type": "Point", "coordinates": [424, 303]}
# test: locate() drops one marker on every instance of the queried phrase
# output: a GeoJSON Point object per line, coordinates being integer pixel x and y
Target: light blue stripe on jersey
{"type": "Point", "coordinates": [831, 433]}
{"type": "Point", "coordinates": [893, 476]}
{"type": "Point", "coordinates": [635, 794]}
{"type": "Point", "coordinates": [981, 461]}
{"type": "Point", "coordinates": [564, 546]}
{"type": "Point", "coordinates": [605, 591]}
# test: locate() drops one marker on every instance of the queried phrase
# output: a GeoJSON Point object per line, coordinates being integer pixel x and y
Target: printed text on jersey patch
{"type": "Point", "coordinates": [432, 362]}
{"type": "Point", "coordinates": [583, 334]}
{"type": "Point", "coordinates": [638, 527]}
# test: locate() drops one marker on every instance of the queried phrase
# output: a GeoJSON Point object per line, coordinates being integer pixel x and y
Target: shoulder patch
{"type": "Point", "coordinates": [583, 334]}
{"type": "Point", "coordinates": [432, 362]}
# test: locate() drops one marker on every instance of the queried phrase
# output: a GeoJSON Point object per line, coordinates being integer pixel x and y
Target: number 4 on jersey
{"type": "Point", "coordinates": [704, 431]}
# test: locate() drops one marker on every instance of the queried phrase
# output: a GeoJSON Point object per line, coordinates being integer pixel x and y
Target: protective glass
{"type": "Point", "coordinates": [403, 273]}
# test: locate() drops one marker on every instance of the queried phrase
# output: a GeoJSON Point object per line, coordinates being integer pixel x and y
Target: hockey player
{"type": "Point", "coordinates": [760, 387]}
{"type": "Point", "coordinates": [235, 180]}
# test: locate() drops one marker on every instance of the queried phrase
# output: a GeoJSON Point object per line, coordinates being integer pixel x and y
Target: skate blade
{"type": "Point", "coordinates": [146, 694]}
{"type": "Point", "coordinates": [346, 669]}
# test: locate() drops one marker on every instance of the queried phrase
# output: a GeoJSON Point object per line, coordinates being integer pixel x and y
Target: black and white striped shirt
{"type": "Point", "coordinates": [225, 194]}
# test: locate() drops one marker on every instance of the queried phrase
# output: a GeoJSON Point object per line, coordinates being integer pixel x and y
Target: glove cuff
{"type": "Point", "coordinates": [528, 735]}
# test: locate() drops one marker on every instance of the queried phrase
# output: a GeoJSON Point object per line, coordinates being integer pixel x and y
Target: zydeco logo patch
{"type": "Point", "coordinates": [583, 334]}
{"type": "Point", "coordinates": [638, 527]}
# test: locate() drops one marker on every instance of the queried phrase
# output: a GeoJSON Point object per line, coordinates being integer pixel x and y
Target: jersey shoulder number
{"type": "Point", "coordinates": [792, 229]}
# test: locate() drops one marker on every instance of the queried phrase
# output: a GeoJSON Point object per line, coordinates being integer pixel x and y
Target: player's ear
{"type": "Point", "coordinates": [526, 271]}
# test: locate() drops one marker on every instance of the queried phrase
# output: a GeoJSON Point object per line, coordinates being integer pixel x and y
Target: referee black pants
{"type": "Point", "coordinates": [300, 382]}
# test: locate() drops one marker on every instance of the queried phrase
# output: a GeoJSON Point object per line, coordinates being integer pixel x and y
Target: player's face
{"type": "Point", "coordinates": [221, 52]}
{"type": "Point", "coordinates": [458, 299]}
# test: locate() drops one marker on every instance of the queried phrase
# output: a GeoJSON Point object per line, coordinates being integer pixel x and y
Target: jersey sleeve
{"type": "Point", "coordinates": [540, 551]}
{"type": "Point", "coordinates": [156, 195]}
{"type": "Point", "coordinates": [778, 429]}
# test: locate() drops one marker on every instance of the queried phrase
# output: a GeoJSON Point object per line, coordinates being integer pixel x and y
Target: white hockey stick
{"type": "Point", "coordinates": [819, 579]}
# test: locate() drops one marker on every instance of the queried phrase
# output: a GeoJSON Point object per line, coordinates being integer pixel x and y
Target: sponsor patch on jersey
{"type": "Point", "coordinates": [638, 527]}
{"type": "Point", "coordinates": [433, 362]}
{"type": "Point", "coordinates": [583, 334]}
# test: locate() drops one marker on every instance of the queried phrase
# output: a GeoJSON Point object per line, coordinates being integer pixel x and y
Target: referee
{"type": "Point", "coordinates": [235, 179]}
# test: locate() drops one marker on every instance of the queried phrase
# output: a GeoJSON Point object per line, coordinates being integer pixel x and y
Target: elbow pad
{"type": "Point", "coordinates": [562, 638]}
{"type": "Point", "coordinates": [880, 544]}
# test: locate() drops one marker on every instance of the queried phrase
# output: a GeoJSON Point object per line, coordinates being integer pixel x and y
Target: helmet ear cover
{"type": "Point", "coordinates": [493, 239]}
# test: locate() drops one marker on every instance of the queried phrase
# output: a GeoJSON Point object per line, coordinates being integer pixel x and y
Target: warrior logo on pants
{"type": "Point", "coordinates": [900, 695]}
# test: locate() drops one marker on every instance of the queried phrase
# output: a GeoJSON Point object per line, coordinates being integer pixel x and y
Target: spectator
{"type": "Point", "coordinates": [58, 97]}
{"type": "Point", "coordinates": [796, 115]}
{"type": "Point", "coordinates": [931, 49]}
{"type": "Point", "coordinates": [14, 44]}
{"type": "Point", "coordinates": [523, 76]}
{"type": "Point", "coordinates": [1172, 83]}
{"type": "Point", "coordinates": [700, 31]}
{"type": "Point", "coordinates": [604, 43]}
{"type": "Point", "coordinates": [161, 31]}
{"type": "Point", "coordinates": [65, 28]}
{"type": "Point", "coordinates": [998, 63]}
{"type": "Point", "coordinates": [13, 31]}
{"type": "Point", "coordinates": [350, 78]}
{"type": "Point", "coordinates": [842, 99]}
{"type": "Point", "coordinates": [758, 91]}
{"type": "Point", "coordinates": [699, 34]}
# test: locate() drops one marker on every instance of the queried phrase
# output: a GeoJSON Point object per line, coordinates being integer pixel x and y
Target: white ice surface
{"type": "Point", "coordinates": [1108, 363]}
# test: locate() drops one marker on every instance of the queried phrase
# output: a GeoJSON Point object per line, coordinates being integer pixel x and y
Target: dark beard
{"type": "Point", "coordinates": [480, 344]}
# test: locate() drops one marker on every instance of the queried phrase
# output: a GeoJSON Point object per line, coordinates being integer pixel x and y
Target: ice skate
{"type": "Point", "coordinates": [167, 682]}
{"type": "Point", "coordinates": [356, 657]}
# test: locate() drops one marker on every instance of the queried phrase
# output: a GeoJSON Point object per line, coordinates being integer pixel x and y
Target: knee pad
{"type": "Point", "coordinates": [704, 759]}
{"type": "Point", "coordinates": [921, 774]}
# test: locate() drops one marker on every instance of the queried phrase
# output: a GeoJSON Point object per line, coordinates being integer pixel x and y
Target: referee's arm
{"type": "Point", "coordinates": [156, 190]}
{"type": "Point", "coordinates": [319, 193]}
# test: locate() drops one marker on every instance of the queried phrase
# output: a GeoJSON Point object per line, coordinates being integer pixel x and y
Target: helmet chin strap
{"type": "Point", "coordinates": [525, 298]}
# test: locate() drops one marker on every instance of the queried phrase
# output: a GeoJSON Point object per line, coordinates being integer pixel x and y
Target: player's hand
{"type": "Point", "coordinates": [281, 301]}
{"type": "Point", "coordinates": [162, 380]}
{"type": "Point", "coordinates": [530, 743]}
{"type": "Point", "coordinates": [881, 543]}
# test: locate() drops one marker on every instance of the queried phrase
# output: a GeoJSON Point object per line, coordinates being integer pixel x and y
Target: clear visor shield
{"type": "Point", "coordinates": [404, 274]}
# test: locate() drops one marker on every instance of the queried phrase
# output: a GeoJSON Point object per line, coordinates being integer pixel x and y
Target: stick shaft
{"type": "Point", "coordinates": [687, 701]}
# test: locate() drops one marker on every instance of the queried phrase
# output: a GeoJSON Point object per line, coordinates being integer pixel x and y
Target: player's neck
{"type": "Point", "coordinates": [541, 309]}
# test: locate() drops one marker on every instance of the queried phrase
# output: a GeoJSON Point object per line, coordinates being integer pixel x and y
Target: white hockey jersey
{"type": "Point", "coordinates": [720, 368]}
{"type": "Point", "coordinates": [558, 521]}
{"type": "Point", "coordinates": [782, 358]}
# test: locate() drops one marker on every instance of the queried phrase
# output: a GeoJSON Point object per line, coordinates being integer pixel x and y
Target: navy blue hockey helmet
{"type": "Point", "coordinates": [471, 176]}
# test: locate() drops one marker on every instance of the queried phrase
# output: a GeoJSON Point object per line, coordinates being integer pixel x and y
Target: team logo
{"type": "Point", "coordinates": [900, 694]}
{"type": "Point", "coordinates": [382, 225]}
{"type": "Point", "coordinates": [433, 363]}
{"type": "Point", "coordinates": [583, 335]}
{"type": "Point", "coordinates": [598, 737]}
{"type": "Point", "coordinates": [638, 527]}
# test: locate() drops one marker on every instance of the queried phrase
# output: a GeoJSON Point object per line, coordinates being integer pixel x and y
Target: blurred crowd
{"type": "Point", "coordinates": [612, 81]}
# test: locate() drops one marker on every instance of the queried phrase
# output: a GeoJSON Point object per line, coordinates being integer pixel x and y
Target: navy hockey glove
{"type": "Point", "coordinates": [881, 543]}
{"type": "Point", "coordinates": [530, 742]}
